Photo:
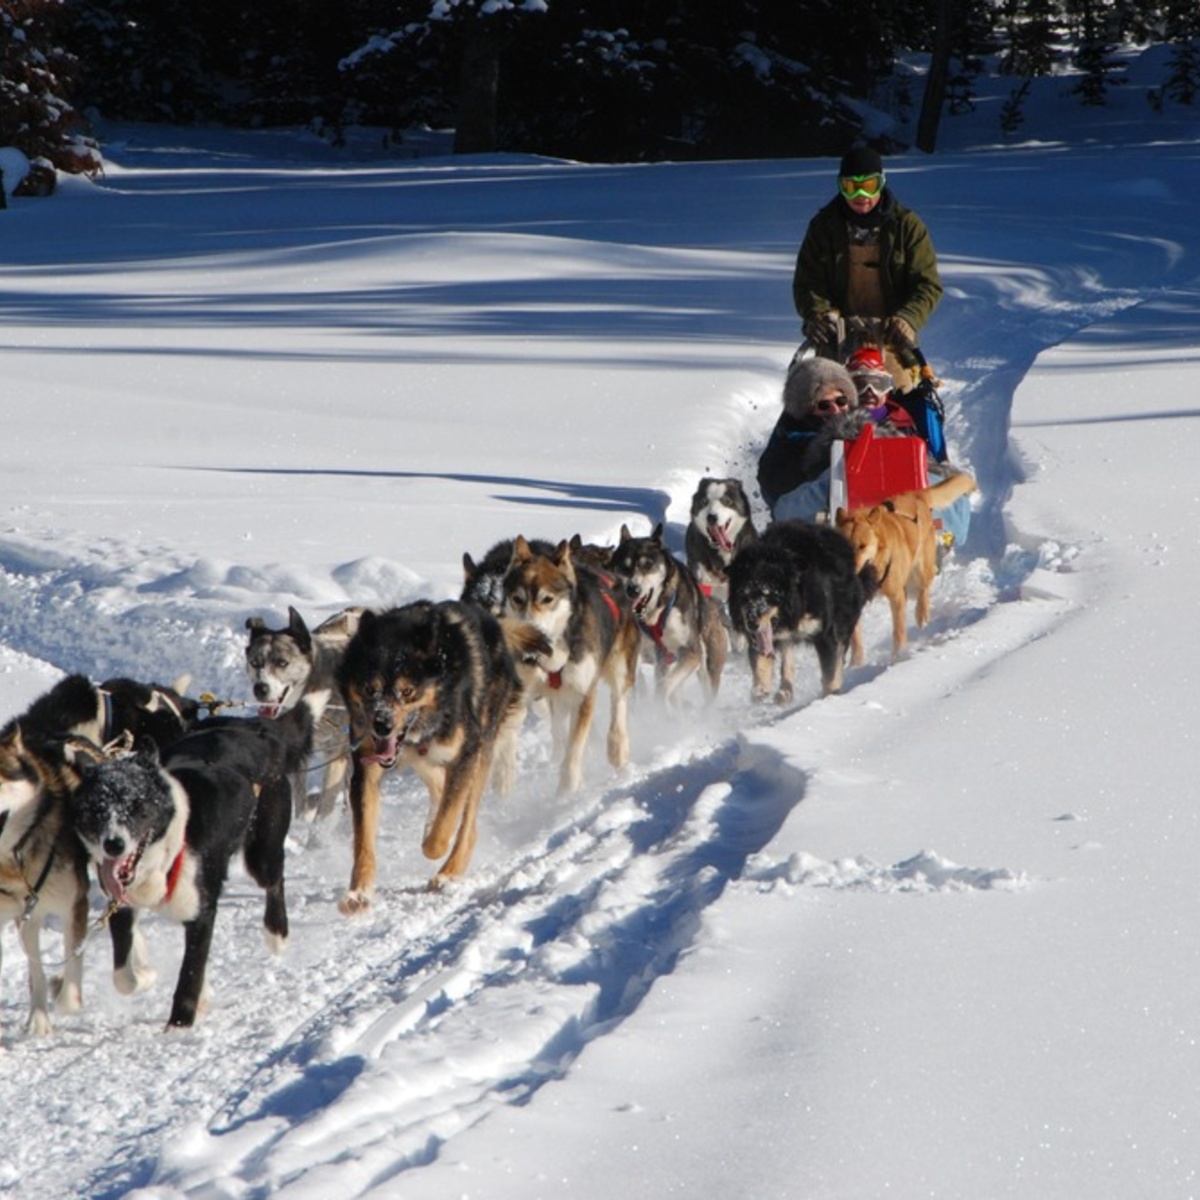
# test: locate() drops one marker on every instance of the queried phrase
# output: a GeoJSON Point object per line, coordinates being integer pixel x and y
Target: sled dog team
{"type": "Point", "coordinates": [129, 779]}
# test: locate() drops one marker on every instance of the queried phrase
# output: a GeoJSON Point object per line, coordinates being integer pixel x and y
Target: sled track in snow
{"type": "Point", "coordinates": [540, 949]}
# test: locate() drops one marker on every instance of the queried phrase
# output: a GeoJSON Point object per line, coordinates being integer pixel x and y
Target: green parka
{"type": "Point", "coordinates": [908, 265]}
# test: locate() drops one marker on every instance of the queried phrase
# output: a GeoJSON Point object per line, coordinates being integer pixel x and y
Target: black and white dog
{"type": "Point", "coordinates": [681, 624]}
{"type": "Point", "coordinates": [284, 665]}
{"type": "Point", "coordinates": [797, 584]}
{"type": "Point", "coordinates": [161, 830]}
{"type": "Point", "coordinates": [720, 526]}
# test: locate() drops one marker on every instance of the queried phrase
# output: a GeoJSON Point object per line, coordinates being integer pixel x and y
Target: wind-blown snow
{"type": "Point", "coordinates": [930, 937]}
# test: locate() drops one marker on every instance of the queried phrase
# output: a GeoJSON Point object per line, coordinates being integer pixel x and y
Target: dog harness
{"type": "Point", "coordinates": [655, 633]}
{"type": "Point", "coordinates": [32, 890]}
{"type": "Point", "coordinates": [554, 679]}
{"type": "Point", "coordinates": [173, 874]}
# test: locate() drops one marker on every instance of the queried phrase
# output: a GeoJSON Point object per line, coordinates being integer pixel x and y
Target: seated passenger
{"type": "Point", "coordinates": [820, 406]}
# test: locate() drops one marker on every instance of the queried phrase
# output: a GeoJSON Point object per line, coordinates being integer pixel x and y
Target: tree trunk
{"type": "Point", "coordinates": [479, 81]}
{"type": "Point", "coordinates": [935, 82]}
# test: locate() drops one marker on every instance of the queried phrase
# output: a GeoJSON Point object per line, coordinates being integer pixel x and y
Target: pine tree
{"type": "Point", "coordinates": [1095, 53]}
{"type": "Point", "coordinates": [35, 74]}
{"type": "Point", "coordinates": [1182, 28]}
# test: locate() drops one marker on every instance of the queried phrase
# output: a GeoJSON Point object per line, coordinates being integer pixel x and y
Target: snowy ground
{"type": "Point", "coordinates": [931, 937]}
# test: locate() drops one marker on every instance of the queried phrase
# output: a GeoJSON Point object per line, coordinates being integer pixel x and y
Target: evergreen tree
{"type": "Point", "coordinates": [1032, 37]}
{"type": "Point", "coordinates": [35, 74]}
{"type": "Point", "coordinates": [1182, 29]}
{"type": "Point", "coordinates": [1095, 50]}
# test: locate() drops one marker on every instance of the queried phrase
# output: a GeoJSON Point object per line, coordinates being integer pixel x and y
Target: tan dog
{"type": "Point", "coordinates": [899, 539]}
{"type": "Point", "coordinates": [592, 634]}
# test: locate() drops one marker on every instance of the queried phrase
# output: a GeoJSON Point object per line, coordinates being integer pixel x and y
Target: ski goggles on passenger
{"type": "Point", "coordinates": [854, 186]}
{"type": "Point", "coordinates": [874, 381]}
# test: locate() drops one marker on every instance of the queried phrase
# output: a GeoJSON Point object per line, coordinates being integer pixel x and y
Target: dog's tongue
{"type": "Point", "coordinates": [109, 871]}
{"type": "Point", "coordinates": [270, 711]}
{"type": "Point", "coordinates": [720, 535]}
{"type": "Point", "coordinates": [385, 749]}
{"type": "Point", "coordinates": [764, 638]}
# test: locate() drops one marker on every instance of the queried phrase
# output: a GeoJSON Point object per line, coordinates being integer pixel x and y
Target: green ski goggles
{"type": "Point", "coordinates": [853, 186]}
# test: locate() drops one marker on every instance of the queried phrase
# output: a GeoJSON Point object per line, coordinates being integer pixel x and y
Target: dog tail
{"type": "Point", "coordinates": [949, 490]}
{"type": "Point", "coordinates": [524, 641]}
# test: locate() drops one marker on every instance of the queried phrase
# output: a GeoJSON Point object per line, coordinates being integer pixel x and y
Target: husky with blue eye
{"type": "Point", "coordinates": [283, 666]}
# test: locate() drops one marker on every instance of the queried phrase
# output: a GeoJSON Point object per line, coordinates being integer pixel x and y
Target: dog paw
{"type": "Point", "coordinates": [276, 943]}
{"type": "Point", "coordinates": [39, 1024]}
{"type": "Point", "coordinates": [68, 997]}
{"type": "Point", "coordinates": [128, 980]}
{"type": "Point", "coordinates": [354, 902]}
{"type": "Point", "coordinates": [784, 695]}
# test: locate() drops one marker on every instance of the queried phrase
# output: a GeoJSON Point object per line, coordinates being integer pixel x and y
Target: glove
{"type": "Point", "coordinates": [899, 334]}
{"type": "Point", "coordinates": [823, 329]}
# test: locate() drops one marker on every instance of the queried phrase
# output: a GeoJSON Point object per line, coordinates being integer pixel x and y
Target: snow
{"type": "Point", "coordinates": [932, 937]}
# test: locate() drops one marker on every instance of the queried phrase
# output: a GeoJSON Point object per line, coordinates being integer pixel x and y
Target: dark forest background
{"type": "Point", "coordinates": [598, 80]}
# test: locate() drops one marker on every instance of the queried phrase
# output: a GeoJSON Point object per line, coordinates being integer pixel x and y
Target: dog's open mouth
{"type": "Point", "coordinates": [275, 707]}
{"type": "Point", "coordinates": [719, 536]}
{"type": "Point", "coordinates": [642, 603]}
{"type": "Point", "coordinates": [117, 874]}
{"type": "Point", "coordinates": [384, 750]}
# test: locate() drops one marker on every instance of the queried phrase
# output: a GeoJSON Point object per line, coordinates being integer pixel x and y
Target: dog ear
{"type": "Point", "coordinates": [469, 567]}
{"type": "Point", "coordinates": [625, 534]}
{"type": "Point", "coordinates": [299, 631]}
{"type": "Point", "coordinates": [254, 624]}
{"type": "Point", "coordinates": [657, 535]}
{"type": "Point", "coordinates": [147, 751]}
{"type": "Point", "coordinates": [522, 551]}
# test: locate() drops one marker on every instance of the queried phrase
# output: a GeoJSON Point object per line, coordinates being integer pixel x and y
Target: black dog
{"type": "Point", "coordinates": [108, 711]}
{"type": "Point", "coordinates": [162, 830]}
{"type": "Point", "coordinates": [432, 687]}
{"type": "Point", "coordinates": [797, 584]}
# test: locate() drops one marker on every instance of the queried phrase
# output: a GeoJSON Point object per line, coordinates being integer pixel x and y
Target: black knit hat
{"type": "Point", "coordinates": [862, 160]}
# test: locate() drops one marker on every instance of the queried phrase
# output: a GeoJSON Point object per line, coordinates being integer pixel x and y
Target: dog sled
{"type": "Point", "coordinates": [868, 469]}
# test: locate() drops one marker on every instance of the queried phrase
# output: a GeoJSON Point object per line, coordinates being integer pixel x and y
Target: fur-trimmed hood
{"type": "Point", "coordinates": [809, 378]}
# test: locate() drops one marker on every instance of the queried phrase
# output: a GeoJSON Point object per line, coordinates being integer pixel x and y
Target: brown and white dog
{"type": "Point", "coordinates": [589, 625]}
{"type": "Point", "coordinates": [899, 539]}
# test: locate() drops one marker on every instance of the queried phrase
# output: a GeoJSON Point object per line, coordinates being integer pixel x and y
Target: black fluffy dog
{"type": "Point", "coordinates": [162, 830]}
{"type": "Point", "coordinates": [797, 584]}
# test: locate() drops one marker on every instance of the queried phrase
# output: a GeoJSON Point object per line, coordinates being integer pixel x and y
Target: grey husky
{"type": "Point", "coordinates": [681, 624]}
{"type": "Point", "coordinates": [283, 666]}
